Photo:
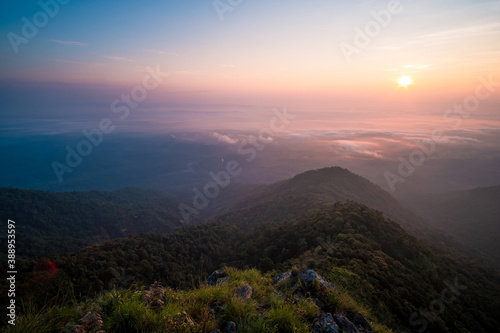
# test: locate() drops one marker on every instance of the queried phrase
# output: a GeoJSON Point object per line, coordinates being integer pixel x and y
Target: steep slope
{"type": "Point", "coordinates": [473, 216]}
{"type": "Point", "coordinates": [313, 190]}
{"type": "Point", "coordinates": [399, 279]}
{"type": "Point", "coordinates": [55, 222]}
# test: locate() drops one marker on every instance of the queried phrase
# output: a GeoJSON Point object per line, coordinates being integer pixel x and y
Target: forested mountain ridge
{"type": "Point", "coordinates": [68, 221]}
{"type": "Point", "coordinates": [392, 274]}
{"type": "Point", "coordinates": [96, 241]}
{"type": "Point", "coordinates": [314, 190]}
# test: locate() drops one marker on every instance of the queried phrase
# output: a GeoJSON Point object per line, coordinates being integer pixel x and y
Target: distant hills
{"type": "Point", "coordinates": [62, 222]}
{"type": "Point", "coordinates": [472, 216]}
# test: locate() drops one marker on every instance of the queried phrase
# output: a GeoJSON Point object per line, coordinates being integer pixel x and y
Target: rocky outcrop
{"type": "Point", "coordinates": [216, 277]}
{"type": "Point", "coordinates": [282, 277]}
{"type": "Point", "coordinates": [324, 323]}
{"type": "Point", "coordinates": [363, 326]}
{"type": "Point", "coordinates": [328, 323]}
{"type": "Point", "coordinates": [345, 324]}
{"type": "Point", "coordinates": [301, 283]}
{"type": "Point", "coordinates": [244, 292]}
{"type": "Point", "coordinates": [308, 278]}
{"type": "Point", "coordinates": [318, 286]}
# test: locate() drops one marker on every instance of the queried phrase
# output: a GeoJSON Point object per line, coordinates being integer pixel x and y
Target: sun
{"type": "Point", "coordinates": [405, 81]}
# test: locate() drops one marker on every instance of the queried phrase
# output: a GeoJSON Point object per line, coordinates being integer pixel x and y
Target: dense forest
{"type": "Point", "coordinates": [64, 222]}
{"type": "Point", "coordinates": [70, 221]}
{"type": "Point", "coordinates": [81, 248]}
{"type": "Point", "coordinates": [316, 189]}
{"type": "Point", "coordinates": [377, 263]}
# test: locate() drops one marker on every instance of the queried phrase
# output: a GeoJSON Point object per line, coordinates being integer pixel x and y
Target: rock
{"type": "Point", "coordinates": [216, 277]}
{"type": "Point", "coordinates": [282, 277]}
{"type": "Point", "coordinates": [230, 327]}
{"type": "Point", "coordinates": [362, 325]}
{"type": "Point", "coordinates": [324, 323]}
{"type": "Point", "coordinates": [245, 292]}
{"type": "Point", "coordinates": [308, 277]}
{"type": "Point", "coordinates": [221, 280]}
{"type": "Point", "coordinates": [345, 324]}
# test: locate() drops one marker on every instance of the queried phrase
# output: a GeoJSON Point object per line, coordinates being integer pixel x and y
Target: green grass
{"type": "Point", "coordinates": [203, 309]}
{"type": "Point", "coordinates": [49, 319]}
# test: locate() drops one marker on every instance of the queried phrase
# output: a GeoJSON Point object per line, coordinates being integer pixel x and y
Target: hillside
{"type": "Point", "coordinates": [391, 274]}
{"type": "Point", "coordinates": [472, 216]}
{"type": "Point", "coordinates": [316, 189]}
{"type": "Point", "coordinates": [69, 221]}
{"type": "Point", "coordinates": [237, 301]}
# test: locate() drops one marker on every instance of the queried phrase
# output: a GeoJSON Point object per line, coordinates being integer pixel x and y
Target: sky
{"type": "Point", "coordinates": [222, 67]}
{"type": "Point", "coordinates": [260, 47]}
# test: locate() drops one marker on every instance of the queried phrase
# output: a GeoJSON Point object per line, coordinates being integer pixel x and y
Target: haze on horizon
{"type": "Point", "coordinates": [214, 76]}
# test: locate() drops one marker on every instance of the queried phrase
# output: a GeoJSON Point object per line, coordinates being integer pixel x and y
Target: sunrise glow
{"type": "Point", "coordinates": [405, 81]}
{"type": "Point", "coordinates": [182, 141]}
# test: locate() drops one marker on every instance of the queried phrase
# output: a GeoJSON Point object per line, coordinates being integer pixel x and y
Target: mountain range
{"type": "Point", "coordinates": [472, 216]}
{"type": "Point", "coordinates": [393, 263]}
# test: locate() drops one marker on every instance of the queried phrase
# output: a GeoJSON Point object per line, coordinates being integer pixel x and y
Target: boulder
{"type": "Point", "coordinates": [324, 323]}
{"type": "Point", "coordinates": [362, 325]}
{"type": "Point", "coordinates": [282, 277]}
{"type": "Point", "coordinates": [345, 324]}
{"type": "Point", "coordinates": [216, 277]}
{"type": "Point", "coordinates": [245, 292]}
{"type": "Point", "coordinates": [309, 276]}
